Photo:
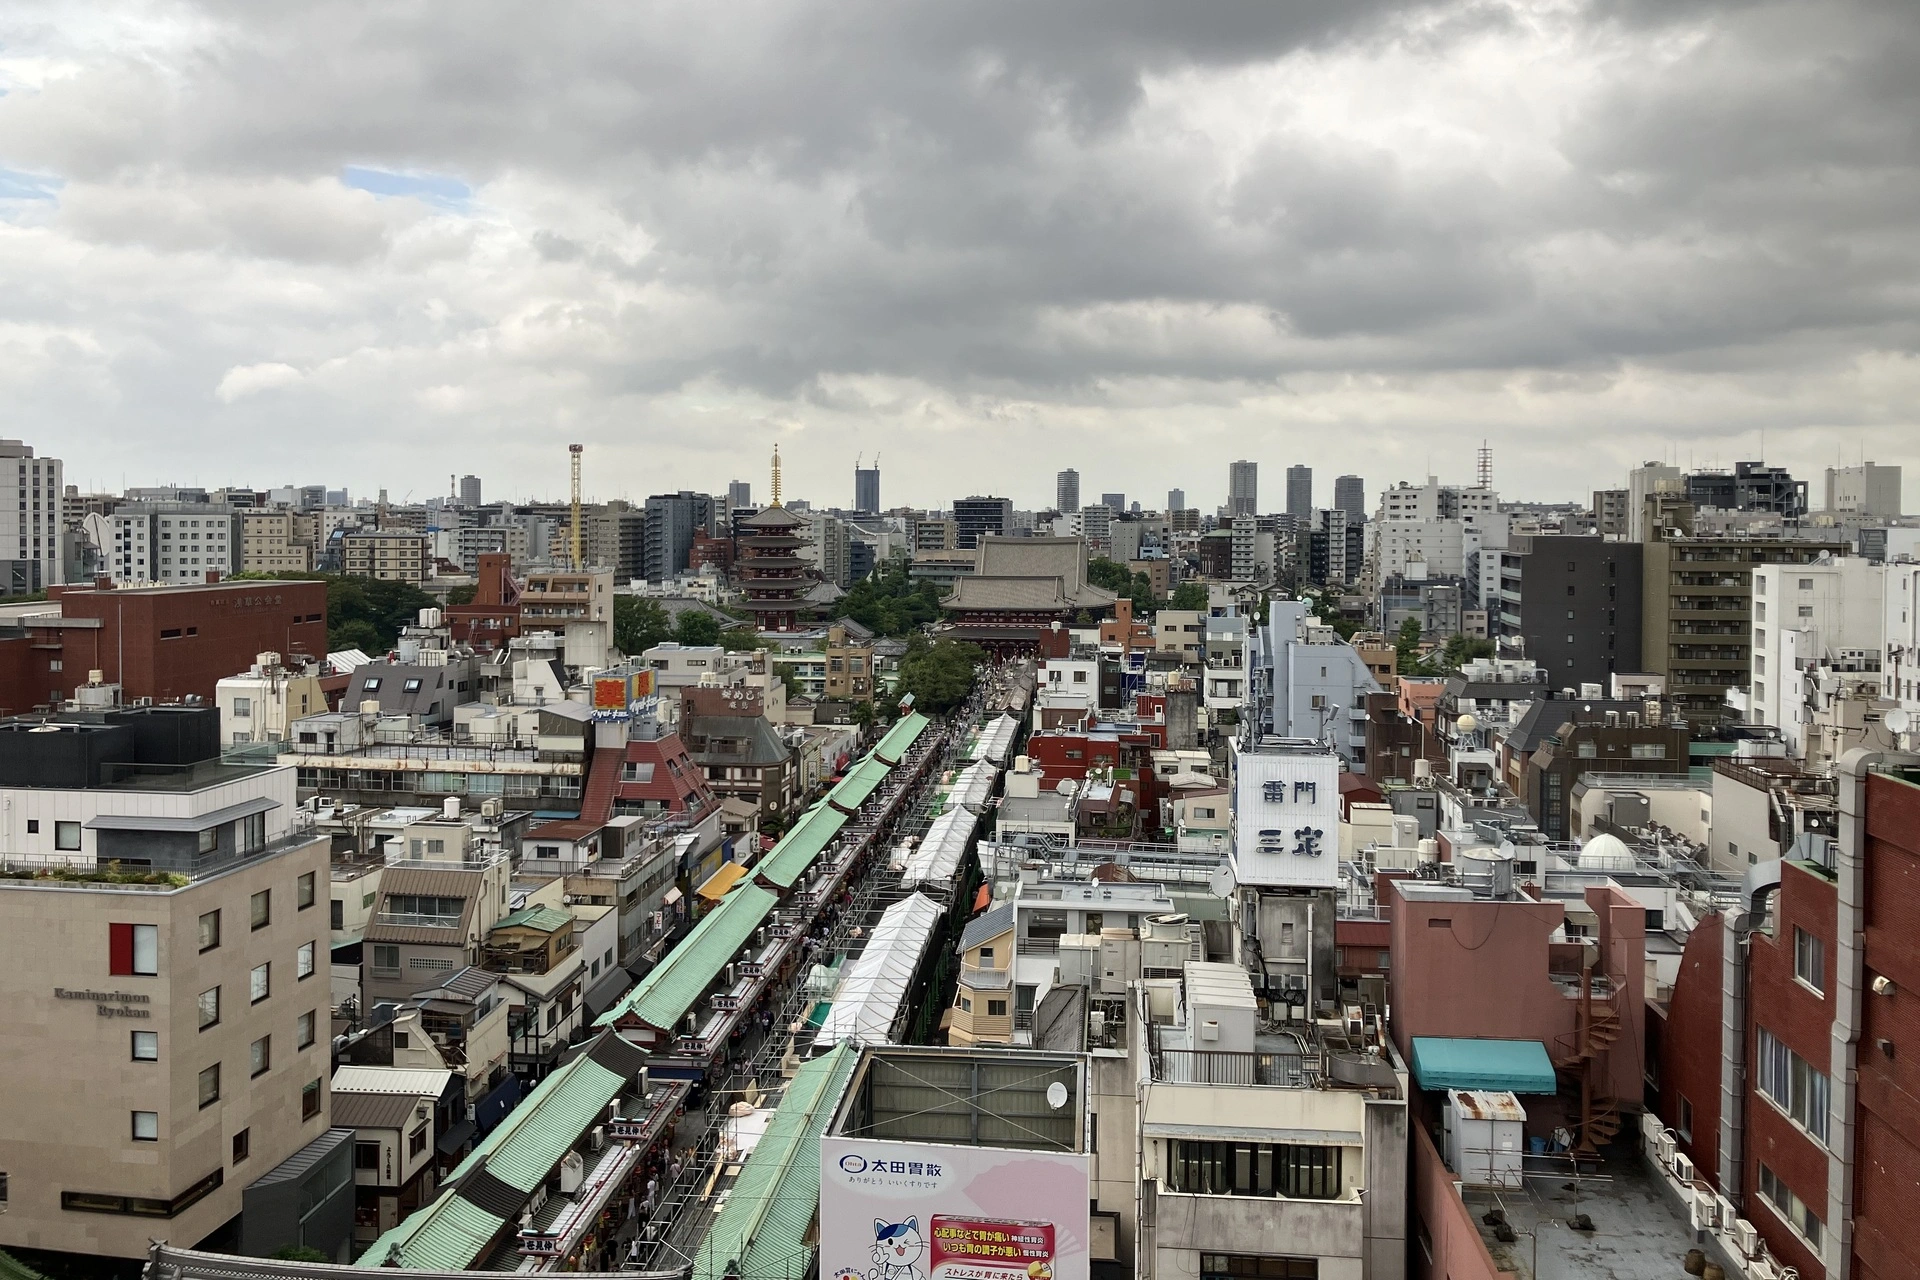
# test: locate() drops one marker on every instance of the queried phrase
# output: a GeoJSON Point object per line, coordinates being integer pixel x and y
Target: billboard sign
{"type": "Point", "coordinates": [923, 1211]}
{"type": "Point", "coordinates": [1286, 818]}
{"type": "Point", "coordinates": [610, 693]}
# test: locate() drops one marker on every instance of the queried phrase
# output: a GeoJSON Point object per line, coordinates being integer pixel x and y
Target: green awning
{"type": "Point", "coordinates": [854, 789]}
{"type": "Point", "coordinates": [902, 736]}
{"type": "Point", "coordinates": [787, 861]}
{"type": "Point", "coordinates": [1512, 1066]}
{"type": "Point", "coordinates": [670, 988]}
{"type": "Point", "coordinates": [763, 1228]}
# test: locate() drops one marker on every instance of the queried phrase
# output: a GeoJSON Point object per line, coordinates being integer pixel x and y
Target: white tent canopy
{"type": "Point", "coordinates": [875, 983]}
{"type": "Point", "coordinates": [997, 739]}
{"type": "Point", "coordinates": [941, 849]}
{"type": "Point", "coordinates": [973, 788]}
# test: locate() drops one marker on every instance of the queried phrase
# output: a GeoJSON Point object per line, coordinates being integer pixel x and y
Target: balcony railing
{"type": "Point", "coordinates": [1220, 1066]}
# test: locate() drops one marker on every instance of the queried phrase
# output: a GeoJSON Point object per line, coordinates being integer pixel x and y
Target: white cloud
{"type": "Point", "coordinates": [242, 381]}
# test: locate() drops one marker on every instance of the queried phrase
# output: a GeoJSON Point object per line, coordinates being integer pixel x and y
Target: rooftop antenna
{"type": "Point", "coordinates": [574, 451]}
{"type": "Point", "coordinates": [776, 473]}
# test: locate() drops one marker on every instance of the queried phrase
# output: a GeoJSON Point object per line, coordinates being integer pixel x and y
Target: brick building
{"type": "Point", "coordinates": [163, 643]}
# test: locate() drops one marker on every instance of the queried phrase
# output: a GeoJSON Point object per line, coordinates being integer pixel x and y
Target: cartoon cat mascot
{"type": "Point", "coordinates": [898, 1251]}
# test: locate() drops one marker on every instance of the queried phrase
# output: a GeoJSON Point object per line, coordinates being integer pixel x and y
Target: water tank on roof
{"type": "Point", "coordinates": [1606, 852]}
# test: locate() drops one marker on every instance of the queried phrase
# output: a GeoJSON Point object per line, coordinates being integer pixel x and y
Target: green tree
{"type": "Point", "coordinates": [1457, 652]}
{"type": "Point", "coordinates": [363, 613]}
{"type": "Point", "coordinates": [299, 1253]}
{"type": "Point", "coordinates": [639, 624]}
{"type": "Point", "coordinates": [1110, 574]}
{"type": "Point", "coordinates": [938, 673]}
{"type": "Point", "coordinates": [740, 638]}
{"type": "Point", "coordinates": [1406, 647]}
{"type": "Point", "coordinates": [695, 627]}
{"type": "Point", "coordinates": [462, 595]}
{"type": "Point", "coordinates": [1191, 597]}
{"type": "Point", "coordinates": [888, 602]}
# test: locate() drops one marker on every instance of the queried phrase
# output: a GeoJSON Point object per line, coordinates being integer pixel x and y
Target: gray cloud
{"type": "Point", "coordinates": [1137, 238]}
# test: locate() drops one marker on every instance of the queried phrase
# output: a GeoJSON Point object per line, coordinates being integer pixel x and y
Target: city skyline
{"type": "Point", "coordinates": [356, 258]}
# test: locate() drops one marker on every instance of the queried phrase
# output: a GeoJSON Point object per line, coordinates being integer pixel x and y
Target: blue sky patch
{"type": "Point", "coordinates": [436, 189]}
{"type": "Point", "coordinates": [16, 184]}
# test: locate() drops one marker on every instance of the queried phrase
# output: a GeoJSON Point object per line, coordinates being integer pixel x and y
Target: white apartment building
{"type": "Point", "coordinates": [1320, 682]}
{"type": "Point", "coordinates": [261, 703]}
{"type": "Point", "coordinates": [1868, 489]}
{"type": "Point", "coordinates": [1807, 617]}
{"type": "Point", "coordinates": [30, 524]}
{"type": "Point", "coordinates": [172, 542]}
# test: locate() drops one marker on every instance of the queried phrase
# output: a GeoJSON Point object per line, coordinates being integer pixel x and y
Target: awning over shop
{"type": "Point", "coordinates": [729, 874]}
{"type": "Point", "coordinates": [1517, 1066]}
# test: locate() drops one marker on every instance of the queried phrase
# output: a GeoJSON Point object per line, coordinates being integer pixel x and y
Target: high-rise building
{"type": "Point", "coordinates": [1350, 496]}
{"type": "Point", "coordinates": [30, 532]}
{"type": "Point", "coordinates": [739, 494]}
{"type": "Point", "coordinates": [673, 521]}
{"type": "Point", "coordinates": [866, 489]}
{"type": "Point", "coordinates": [172, 542]}
{"type": "Point", "coordinates": [976, 517]}
{"type": "Point", "coordinates": [469, 491]}
{"type": "Point", "coordinates": [1300, 491]}
{"type": "Point", "coordinates": [1114, 501]}
{"type": "Point", "coordinates": [1066, 491]}
{"type": "Point", "coordinates": [1243, 488]}
{"type": "Point", "coordinates": [1176, 500]}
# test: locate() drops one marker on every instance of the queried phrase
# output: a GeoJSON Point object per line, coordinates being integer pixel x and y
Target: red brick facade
{"type": "Point", "coordinates": [1887, 1152]}
{"type": "Point", "coordinates": [1685, 1039]}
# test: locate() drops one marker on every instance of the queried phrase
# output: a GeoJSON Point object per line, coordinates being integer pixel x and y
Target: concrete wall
{"type": "Point", "coordinates": [65, 1118]}
{"type": "Point", "coordinates": [1739, 826]}
{"type": "Point", "coordinates": [1448, 1244]}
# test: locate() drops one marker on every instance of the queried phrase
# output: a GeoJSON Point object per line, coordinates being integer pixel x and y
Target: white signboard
{"type": "Point", "coordinates": [1286, 819]}
{"type": "Point", "coordinates": [919, 1211]}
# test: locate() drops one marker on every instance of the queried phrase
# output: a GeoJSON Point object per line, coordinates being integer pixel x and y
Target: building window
{"type": "Point", "coordinates": [242, 1146]}
{"type": "Point", "coordinates": [1797, 1212]}
{"type": "Point", "coordinates": [133, 949]}
{"type": "Point", "coordinates": [310, 1099]}
{"type": "Point", "coordinates": [417, 1141]}
{"type": "Point", "coordinates": [337, 916]}
{"type": "Point", "coordinates": [996, 1008]}
{"type": "Point", "coordinates": [386, 959]}
{"type": "Point", "coordinates": [210, 1086]}
{"type": "Point", "coordinates": [1810, 960]}
{"type": "Point", "coordinates": [1254, 1169]}
{"type": "Point", "coordinates": [242, 708]}
{"type": "Point", "coordinates": [1588, 750]}
{"type": "Point", "coordinates": [1649, 751]}
{"type": "Point", "coordinates": [966, 1003]}
{"type": "Point", "coordinates": [259, 984]}
{"type": "Point", "coordinates": [66, 837]}
{"type": "Point", "coordinates": [146, 1126]}
{"type": "Point", "coordinates": [261, 909]}
{"type": "Point", "coordinates": [366, 1155]}
{"type": "Point", "coordinates": [1685, 1127]}
{"type": "Point", "coordinates": [303, 892]}
{"type": "Point", "coordinates": [260, 1056]}
{"type": "Point", "coordinates": [209, 1004]}
{"type": "Point", "coordinates": [146, 1046]}
{"type": "Point", "coordinates": [1236, 1266]}
{"type": "Point", "coordinates": [209, 931]}
{"type": "Point", "coordinates": [1789, 1082]}
{"type": "Point", "coordinates": [303, 1030]}
{"type": "Point", "coordinates": [986, 957]}
{"type": "Point", "coordinates": [303, 960]}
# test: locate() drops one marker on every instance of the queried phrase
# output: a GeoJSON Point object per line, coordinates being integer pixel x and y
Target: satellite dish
{"type": "Point", "coordinates": [1898, 720]}
{"type": "Point", "coordinates": [1221, 881]}
{"type": "Point", "coordinates": [1056, 1095]}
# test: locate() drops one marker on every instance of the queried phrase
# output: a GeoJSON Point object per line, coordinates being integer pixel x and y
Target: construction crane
{"type": "Point", "coordinates": [575, 451]}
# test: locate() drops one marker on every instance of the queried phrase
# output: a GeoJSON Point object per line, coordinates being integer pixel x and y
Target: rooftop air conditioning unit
{"type": "Point", "coordinates": [1745, 1237]}
{"type": "Point", "coordinates": [1704, 1212]}
{"type": "Point", "coordinates": [1683, 1166]}
{"type": "Point", "coordinates": [599, 1139]}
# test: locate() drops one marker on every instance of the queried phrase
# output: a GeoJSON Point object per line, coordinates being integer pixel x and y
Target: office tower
{"type": "Point", "coordinates": [866, 488]}
{"type": "Point", "coordinates": [1176, 500]}
{"type": "Point", "coordinates": [739, 494]}
{"type": "Point", "coordinates": [1350, 496]}
{"type": "Point", "coordinates": [1066, 491]}
{"type": "Point", "coordinates": [30, 536]}
{"type": "Point", "coordinates": [1300, 491]}
{"type": "Point", "coordinates": [976, 517]}
{"type": "Point", "coordinates": [673, 521]}
{"type": "Point", "coordinates": [1114, 501]}
{"type": "Point", "coordinates": [1243, 488]}
{"type": "Point", "coordinates": [469, 491]}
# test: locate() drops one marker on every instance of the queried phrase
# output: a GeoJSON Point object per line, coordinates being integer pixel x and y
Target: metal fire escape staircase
{"type": "Point", "coordinates": [1581, 1056]}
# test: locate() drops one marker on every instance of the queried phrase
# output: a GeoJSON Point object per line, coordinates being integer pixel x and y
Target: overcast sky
{"type": "Point", "coordinates": [376, 244]}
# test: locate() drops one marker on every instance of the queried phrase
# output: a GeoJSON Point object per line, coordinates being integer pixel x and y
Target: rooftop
{"type": "Point", "coordinates": [1638, 1233]}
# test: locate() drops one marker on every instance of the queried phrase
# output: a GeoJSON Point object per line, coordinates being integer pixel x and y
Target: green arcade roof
{"type": "Point", "coordinates": [671, 987]}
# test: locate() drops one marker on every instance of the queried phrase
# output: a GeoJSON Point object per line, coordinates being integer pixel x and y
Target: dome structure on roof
{"type": "Point", "coordinates": [1606, 852]}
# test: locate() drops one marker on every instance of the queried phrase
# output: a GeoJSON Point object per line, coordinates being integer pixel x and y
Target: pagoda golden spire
{"type": "Point", "coordinates": [776, 473]}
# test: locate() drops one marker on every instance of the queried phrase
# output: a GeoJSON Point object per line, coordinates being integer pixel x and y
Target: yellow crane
{"type": "Point", "coordinates": [575, 450]}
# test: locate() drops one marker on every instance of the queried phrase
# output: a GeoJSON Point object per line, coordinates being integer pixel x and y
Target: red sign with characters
{"type": "Point", "coordinates": [979, 1248]}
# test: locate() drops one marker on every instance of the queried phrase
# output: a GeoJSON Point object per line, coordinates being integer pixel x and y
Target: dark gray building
{"type": "Point", "coordinates": [1350, 496]}
{"type": "Point", "coordinates": [1300, 491]}
{"type": "Point", "coordinates": [975, 517]}
{"type": "Point", "coordinates": [866, 489]}
{"type": "Point", "coordinates": [673, 520]}
{"type": "Point", "coordinates": [1573, 601]}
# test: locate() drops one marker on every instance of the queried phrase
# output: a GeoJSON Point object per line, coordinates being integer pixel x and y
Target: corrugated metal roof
{"type": "Point", "coordinates": [764, 1224]}
{"type": "Point", "coordinates": [799, 848]}
{"type": "Point", "coordinates": [671, 987]}
{"type": "Point", "coordinates": [902, 736]}
{"type": "Point", "coordinates": [859, 783]}
{"type": "Point", "coordinates": [420, 1082]}
{"type": "Point", "coordinates": [447, 1235]}
{"type": "Point", "coordinates": [377, 1111]}
{"type": "Point", "coordinates": [544, 919]}
{"type": "Point", "coordinates": [524, 1148]}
